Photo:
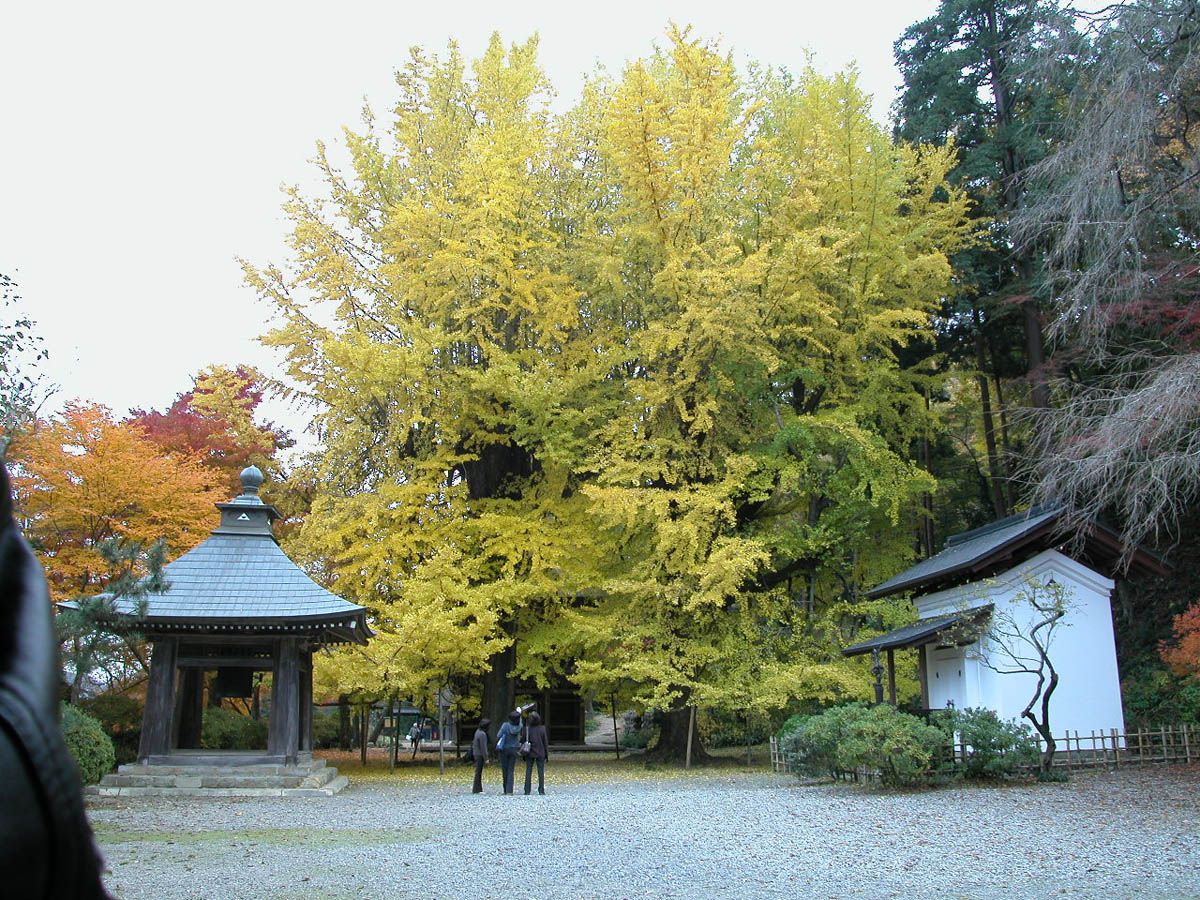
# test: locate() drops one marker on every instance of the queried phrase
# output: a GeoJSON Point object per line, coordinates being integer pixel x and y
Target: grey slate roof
{"type": "Point", "coordinates": [241, 578]}
{"type": "Point", "coordinates": [971, 548]}
{"type": "Point", "coordinates": [919, 632]}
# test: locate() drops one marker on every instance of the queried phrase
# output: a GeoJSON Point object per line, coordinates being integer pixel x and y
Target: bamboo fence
{"type": "Point", "coordinates": [1078, 750]}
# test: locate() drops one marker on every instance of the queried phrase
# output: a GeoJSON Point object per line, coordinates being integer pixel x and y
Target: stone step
{"type": "Point", "coordinates": [305, 780]}
{"type": "Point", "coordinates": [302, 769]}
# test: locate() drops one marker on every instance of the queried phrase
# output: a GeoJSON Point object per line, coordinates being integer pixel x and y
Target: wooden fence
{"type": "Point", "coordinates": [1166, 743]}
{"type": "Point", "coordinates": [1077, 750]}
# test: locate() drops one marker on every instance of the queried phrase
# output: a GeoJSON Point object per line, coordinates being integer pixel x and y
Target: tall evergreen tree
{"type": "Point", "coordinates": [967, 79]}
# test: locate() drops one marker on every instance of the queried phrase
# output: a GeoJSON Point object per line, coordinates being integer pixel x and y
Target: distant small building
{"type": "Point", "coordinates": [966, 593]}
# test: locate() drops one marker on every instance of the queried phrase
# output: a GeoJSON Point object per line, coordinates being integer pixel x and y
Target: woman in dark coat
{"type": "Point", "coordinates": [479, 753]}
{"type": "Point", "coordinates": [539, 752]}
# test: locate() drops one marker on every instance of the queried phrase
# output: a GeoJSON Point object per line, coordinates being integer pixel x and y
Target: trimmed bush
{"type": "Point", "coordinates": [994, 748]}
{"type": "Point", "coordinates": [327, 729]}
{"type": "Point", "coordinates": [224, 729]}
{"type": "Point", "coordinates": [844, 740]}
{"type": "Point", "coordinates": [790, 726]}
{"type": "Point", "coordinates": [90, 747]}
{"type": "Point", "coordinates": [121, 717]}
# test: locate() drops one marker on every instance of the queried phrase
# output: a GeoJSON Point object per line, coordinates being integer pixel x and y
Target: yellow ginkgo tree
{"type": "Point", "coordinates": [623, 394]}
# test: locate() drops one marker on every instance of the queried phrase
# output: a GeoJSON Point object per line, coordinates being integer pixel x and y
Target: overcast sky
{"type": "Point", "coordinates": [144, 145]}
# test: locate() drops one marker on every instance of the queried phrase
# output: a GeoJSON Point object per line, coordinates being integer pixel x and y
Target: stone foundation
{"type": "Point", "coordinates": [311, 778]}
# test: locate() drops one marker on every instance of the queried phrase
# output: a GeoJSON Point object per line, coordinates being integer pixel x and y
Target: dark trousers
{"type": "Point", "coordinates": [541, 764]}
{"type": "Point", "coordinates": [477, 787]}
{"type": "Point", "coordinates": [508, 762]}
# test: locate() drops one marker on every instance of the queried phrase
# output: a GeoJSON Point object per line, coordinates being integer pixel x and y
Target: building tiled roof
{"type": "Point", "coordinates": [981, 552]}
{"type": "Point", "coordinates": [965, 552]}
{"type": "Point", "coordinates": [960, 625]}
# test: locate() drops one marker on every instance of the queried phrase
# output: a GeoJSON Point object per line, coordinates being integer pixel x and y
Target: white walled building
{"type": "Point", "coordinates": [977, 587]}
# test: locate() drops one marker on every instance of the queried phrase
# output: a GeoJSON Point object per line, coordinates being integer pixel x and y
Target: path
{"type": "Point", "coordinates": [1130, 835]}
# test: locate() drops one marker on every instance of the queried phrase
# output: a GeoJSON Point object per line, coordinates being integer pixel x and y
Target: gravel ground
{"type": "Point", "coordinates": [1102, 836]}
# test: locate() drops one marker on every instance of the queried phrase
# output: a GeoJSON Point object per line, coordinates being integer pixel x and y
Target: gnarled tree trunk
{"type": "Point", "coordinates": [672, 744]}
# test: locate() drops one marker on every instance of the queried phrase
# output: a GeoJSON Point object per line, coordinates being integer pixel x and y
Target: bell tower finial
{"type": "Point", "coordinates": [252, 479]}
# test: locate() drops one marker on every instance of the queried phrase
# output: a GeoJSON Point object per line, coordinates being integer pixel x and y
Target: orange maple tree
{"type": "Point", "coordinates": [82, 478]}
{"type": "Point", "coordinates": [1182, 654]}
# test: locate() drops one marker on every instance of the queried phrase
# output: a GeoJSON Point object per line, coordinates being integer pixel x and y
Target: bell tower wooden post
{"type": "Point", "coordinates": [306, 701]}
{"type": "Point", "coordinates": [283, 735]}
{"type": "Point", "coordinates": [157, 720]}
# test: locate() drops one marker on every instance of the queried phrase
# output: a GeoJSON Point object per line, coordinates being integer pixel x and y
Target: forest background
{"type": "Point", "coordinates": [643, 395]}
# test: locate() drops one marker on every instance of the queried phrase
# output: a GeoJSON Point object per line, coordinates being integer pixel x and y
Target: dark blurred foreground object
{"type": "Point", "coordinates": [46, 845]}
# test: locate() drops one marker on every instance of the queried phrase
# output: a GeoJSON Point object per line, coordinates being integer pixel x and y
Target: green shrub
{"type": "Point", "coordinates": [993, 748]}
{"type": "Point", "coordinates": [224, 729]}
{"type": "Point", "coordinates": [90, 747]}
{"type": "Point", "coordinates": [811, 742]}
{"type": "Point", "coordinates": [327, 730]}
{"type": "Point", "coordinates": [1154, 696]}
{"type": "Point", "coordinates": [721, 728]}
{"type": "Point", "coordinates": [639, 738]}
{"type": "Point", "coordinates": [901, 748]}
{"type": "Point", "coordinates": [121, 717]}
{"type": "Point", "coordinates": [790, 726]}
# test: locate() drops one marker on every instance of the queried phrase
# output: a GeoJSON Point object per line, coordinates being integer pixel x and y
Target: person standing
{"type": "Point", "coordinates": [414, 737]}
{"type": "Point", "coordinates": [539, 752]}
{"type": "Point", "coordinates": [479, 752]}
{"type": "Point", "coordinates": [508, 741]}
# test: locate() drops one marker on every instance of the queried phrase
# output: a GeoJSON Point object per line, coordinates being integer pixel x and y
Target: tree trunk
{"type": "Point", "coordinates": [344, 740]}
{"type": "Point", "coordinates": [1035, 354]}
{"type": "Point", "coordinates": [672, 744]}
{"type": "Point", "coordinates": [377, 729]}
{"type": "Point", "coordinates": [926, 535]}
{"type": "Point", "coordinates": [499, 688]}
{"type": "Point", "coordinates": [995, 480]}
{"type": "Point", "coordinates": [1014, 167]}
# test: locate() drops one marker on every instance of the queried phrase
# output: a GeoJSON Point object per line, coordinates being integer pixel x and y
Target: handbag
{"type": "Point", "coordinates": [526, 748]}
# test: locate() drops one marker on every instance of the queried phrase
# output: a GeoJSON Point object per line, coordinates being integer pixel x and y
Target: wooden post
{"type": "Point", "coordinates": [395, 734]}
{"type": "Point", "coordinates": [891, 664]}
{"type": "Point", "coordinates": [746, 719]}
{"type": "Point", "coordinates": [687, 763]}
{"type": "Point", "coordinates": [364, 722]}
{"type": "Point", "coordinates": [157, 724]}
{"type": "Point", "coordinates": [1187, 747]}
{"type": "Point", "coordinates": [306, 701]}
{"type": "Point", "coordinates": [923, 675]}
{"type": "Point", "coordinates": [1163, 730]}
{"type": "Point", "coordinates": [1116, 742]}
{"type": "Point", "coordinates": [442, 729]}
{"type": "Point", "coordinates": [616, 736]}
{"type": "Point", "coordinates": [283, 735]}
{"type": "Point", "coordinates": [189, 708]}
